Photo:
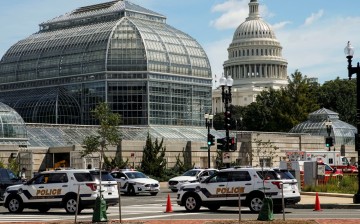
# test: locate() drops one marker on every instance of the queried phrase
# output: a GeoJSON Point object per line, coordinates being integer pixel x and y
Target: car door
{"type": "Point", "coordinates": [47, 187]}
{"type": "Point", "coordinates": [239, 182]}
{"type": "Point", "coordinates": [122, 179]}
{"type": "Point", "coordinates": [214, 188]}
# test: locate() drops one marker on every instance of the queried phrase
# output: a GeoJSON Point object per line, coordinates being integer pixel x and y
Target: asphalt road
{"type": "Point", "coordinates": [143, 207]}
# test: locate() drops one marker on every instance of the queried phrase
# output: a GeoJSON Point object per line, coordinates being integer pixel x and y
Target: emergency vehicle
{"type": "Point", "coordinates": [332, 158]}
{"type": "Point", "coordinates": [224, 187]}
{"type": "Point", "coordinates": [55, 189]}
{"type": "Point", "coordinates": [133, 182]}
{"type": "Point", "coordinates": [189, 176]}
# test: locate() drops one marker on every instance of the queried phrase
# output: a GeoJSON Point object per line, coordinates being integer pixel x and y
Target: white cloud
{"type": "Point", "coordinates": [234, 12]}
{"type": "Point", "coordinates": [314, 17]}
{"type": "Point", "coordinates": [280, 25]}
{"type": "Point", "coordinates": [317, 51]}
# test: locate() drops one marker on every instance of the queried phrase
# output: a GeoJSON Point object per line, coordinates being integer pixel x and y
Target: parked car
{"type": "Point", "coordinates": [109, 189]}
{"type": "Point", "coordinates": [53, 189]}
{"type": "Point", "coordinates": [7, 178]}
{"type": "Point", "coordinates": [284, 173]}
{"type": "Point", "coordinates": [190, 176]}
{"type": "Point", "coordinates": [224, 187]}
{"type": "Point", "coordinates": [133, 182]}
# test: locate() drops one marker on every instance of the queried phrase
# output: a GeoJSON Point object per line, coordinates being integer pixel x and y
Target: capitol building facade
{"type": "Point", "coordinates": [254, 62]}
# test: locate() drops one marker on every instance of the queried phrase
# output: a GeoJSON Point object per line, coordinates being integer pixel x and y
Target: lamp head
{"type": "Point", "coordinates": [349, 50]}
{"type": "Point", "coordinates": [206, 116]}
{"type": "Point", "coordinates": [222, 81]}
{"type": "Point", "coordinates": [229, 81]}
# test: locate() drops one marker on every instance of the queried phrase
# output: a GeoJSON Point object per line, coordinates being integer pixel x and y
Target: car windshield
{"type": "Point", "coordinates": [191, 173]}
{"type": "Point", "coordinates": [134, 175]}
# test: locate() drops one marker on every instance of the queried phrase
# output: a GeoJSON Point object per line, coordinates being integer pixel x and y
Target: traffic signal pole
{"type": "Point", "coordinates": [226, 99]}
{"type": "Point", "coordinates": [210, 137]}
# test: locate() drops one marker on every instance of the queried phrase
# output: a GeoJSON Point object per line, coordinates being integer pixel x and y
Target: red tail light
{"type": "Point", "coordinates": [278, 184]}
{"type": "Point", "coordinates": [92, 186]}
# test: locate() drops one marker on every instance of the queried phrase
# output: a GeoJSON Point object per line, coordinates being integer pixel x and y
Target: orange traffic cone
{"type": "Point", "coordinates": [168, 204]}
{"type": "Point", "coordinates": [317, 203]}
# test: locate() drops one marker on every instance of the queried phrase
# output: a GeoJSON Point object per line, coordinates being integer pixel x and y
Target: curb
{"type": "Point", "coordinates": [327, 205]}
{"type": "Point", "coordinates": [328, 194]}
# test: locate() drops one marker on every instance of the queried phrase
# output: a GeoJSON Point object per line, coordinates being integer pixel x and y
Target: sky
{"type": "Point", "coordinates": [313, 33]}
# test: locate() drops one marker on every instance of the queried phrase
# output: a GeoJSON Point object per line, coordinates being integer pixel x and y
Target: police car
{"type": "Point", "coordinates": [53, 189]}
{"type": "Point", "coordinates": [189, 176]}
{"type": "Point", "coordinates": [133, 182]}
{"type": "Point", "coordinates": [224, 187]}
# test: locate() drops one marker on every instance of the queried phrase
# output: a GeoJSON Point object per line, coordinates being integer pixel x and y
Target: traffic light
{"type": "Point", "coordinates": [221, 143]}
{"type": "Point", "coordinates": [232, 144]}
{"type": "Point", "coordinates": [357, 142]}
{"type": "Point", "coordinates": [227, 119]}
{"type": "Point", "coordinates": [211, 139]}
{"type": "Point", "coordinates": [329, 142]}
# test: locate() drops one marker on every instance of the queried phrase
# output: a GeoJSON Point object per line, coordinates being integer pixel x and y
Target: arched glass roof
{"type": "Point", "coordinates": [113, 36]}
{"type": "Point", "coordinates": [344, 133]}
{"type": "Point", "coordinates": [155, 47]}
{"type": "Point", "coordinates": [12, 126]}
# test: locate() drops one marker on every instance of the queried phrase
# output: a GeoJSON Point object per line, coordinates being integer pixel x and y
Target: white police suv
{"type": "Point", "coordinates": [190, 176]}
{"type": "Point", "coordinates": [223, 189]}
{"type": "Point", "coordinates": [133, 182]}
{"type": "Point", "coordinates": [53, 189]}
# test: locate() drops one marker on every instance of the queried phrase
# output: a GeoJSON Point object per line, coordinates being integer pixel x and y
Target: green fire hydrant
{"type": "Point", "coordinates": [100, 210]}
{"type": "Point", "coordinates": [267, 210]}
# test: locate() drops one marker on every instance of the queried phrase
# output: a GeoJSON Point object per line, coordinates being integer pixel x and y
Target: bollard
{"type": "Point", "coordinates": [99, 210]}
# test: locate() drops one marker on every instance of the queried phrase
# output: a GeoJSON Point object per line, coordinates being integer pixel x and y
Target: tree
{"type": "Point", "coordinates": [108, 133]}
{"type": "Point", "coordinates": [153, 159]}
{"type": "Point", "coordinates": [298, 100]}
{"type": "Point", "coordinates": [280, 110]}
{"type": "Point", "coordinates": [262, 115]}
{"type": "Point", "coordinates": [265, 151]}
{"type": "Point", "coordinates": [339, 95]}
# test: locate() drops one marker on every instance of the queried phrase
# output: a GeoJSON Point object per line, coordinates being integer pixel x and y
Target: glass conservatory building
{"type": "Point", "coordinates": [12, 127]}
{"type": "Point", "coordinates": [118, 52]}
{"type": "Point", "coordinates": [343, 133]}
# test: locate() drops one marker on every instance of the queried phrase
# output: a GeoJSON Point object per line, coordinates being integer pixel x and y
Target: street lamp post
{"type": "Point", "coordinates": [349, 52]}
{"type": "Point", "coordinates": [328, 125]}
{"type": "Point", "coordinates": [226, 99]}
{"type": "Point", "coordinates": [208, 123]}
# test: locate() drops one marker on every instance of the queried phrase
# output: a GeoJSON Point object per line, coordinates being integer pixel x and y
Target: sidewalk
{"type": "Point", "coordinates": [327, 201]}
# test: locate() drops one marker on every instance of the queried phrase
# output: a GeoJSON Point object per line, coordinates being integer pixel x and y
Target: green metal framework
{"type": "Point", "coordinates": [117, 52]}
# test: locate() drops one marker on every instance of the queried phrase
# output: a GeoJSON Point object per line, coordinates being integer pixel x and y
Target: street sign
{"type": "Point", "coordinates": [226, 157]}
{"type": "Point", "coordinates": [203, 147]}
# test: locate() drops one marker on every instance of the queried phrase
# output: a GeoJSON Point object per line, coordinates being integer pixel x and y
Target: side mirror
{"type": "Point", "coordinates": [334, 170]}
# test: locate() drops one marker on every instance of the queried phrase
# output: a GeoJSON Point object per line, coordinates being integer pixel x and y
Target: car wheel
{"type": "Point", "coordinates": [153, 193]}
{"type": "Point", "coordinates": [70, 205]}
{"type": "Point", "coordinates": [131, 190]}
{"type": "Point", "coordinates": [174, 190]}
{"type": "Point", "coordinates": [256, 202]}
{"type": "Point", "coordinates": [15, 205]}
{"type": "Point", "coordinates": [192, 203]}
{"type": "Point", "coordinates": [43, 209]}
{"type": "Point", "coordinates": [213, 208]}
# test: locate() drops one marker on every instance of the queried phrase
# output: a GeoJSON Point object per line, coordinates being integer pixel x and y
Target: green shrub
{"type": "Point", "coordinates": [347, 185]}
